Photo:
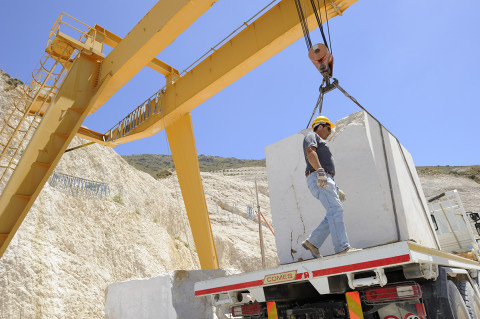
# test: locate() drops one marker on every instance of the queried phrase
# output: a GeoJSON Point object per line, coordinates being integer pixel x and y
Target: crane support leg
{"type": "Point", "coordinates": [53, 135]}
{"type": "Point", "coordinates": [184, 153]}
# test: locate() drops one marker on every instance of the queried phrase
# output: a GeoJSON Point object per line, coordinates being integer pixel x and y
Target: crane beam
{"type": "Point", "coordinates": [112, 40]}
{"type": "Point", "coordinates": [157, 29]}
{"type": "Point", "coordinates": [274, 31]}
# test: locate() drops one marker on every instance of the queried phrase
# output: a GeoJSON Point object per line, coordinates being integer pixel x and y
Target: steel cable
{"type": "Point", "coordinates": [304, 24]}
{"type": "Point", "coordinates": [319, 21]}
{"type": "Point", "coordinates": [328, 25]}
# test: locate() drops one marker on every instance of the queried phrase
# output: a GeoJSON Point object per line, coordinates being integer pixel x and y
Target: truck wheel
{"type": "Point", "coordinates": [471, 299]}
{"type": "Point", "coordinates": [457, 305]}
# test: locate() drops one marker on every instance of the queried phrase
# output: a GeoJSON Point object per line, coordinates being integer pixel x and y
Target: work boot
{"type": "Point", "coordinates": [349, 249]}
{"type": "Point", "coordinates": [313, 250]}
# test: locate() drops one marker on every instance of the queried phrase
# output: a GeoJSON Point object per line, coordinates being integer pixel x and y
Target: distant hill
{"type": "Point", "coordinates": [160, 166]}
{"type": "Point", "coordinates": [472, 172]}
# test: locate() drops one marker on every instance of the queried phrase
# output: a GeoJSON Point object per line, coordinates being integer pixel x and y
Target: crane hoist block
{"type": "Point", "coordinates": [322, 59]}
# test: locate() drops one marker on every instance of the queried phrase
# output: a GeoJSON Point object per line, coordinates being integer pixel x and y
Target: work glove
{"type": "Point", "coordinates": [342, 195]}
{"type": "Point", "coordinates": [321, 178]}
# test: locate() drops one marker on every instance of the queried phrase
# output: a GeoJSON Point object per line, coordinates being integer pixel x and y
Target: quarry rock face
{"type": "Point", "coordinates": [385, 202]}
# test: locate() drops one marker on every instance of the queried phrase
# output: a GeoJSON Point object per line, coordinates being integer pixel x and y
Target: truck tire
{"type": "Point", "coordinates": [471, 299]}
{"type": "Point", "coordinates": [457, 305]}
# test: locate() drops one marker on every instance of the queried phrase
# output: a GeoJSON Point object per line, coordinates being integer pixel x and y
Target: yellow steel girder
{"type": "Point", "coordinates": [113, 40]}
{"type": "Point", "coordinates": [162, 24]}
{"type": "Point", "coordinates": [157, 29]}
{"type": "Point", "coordinates": [184, 153]}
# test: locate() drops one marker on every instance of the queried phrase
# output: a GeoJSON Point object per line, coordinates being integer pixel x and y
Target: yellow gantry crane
{"type": "Point", "coordinates": [81, 79]}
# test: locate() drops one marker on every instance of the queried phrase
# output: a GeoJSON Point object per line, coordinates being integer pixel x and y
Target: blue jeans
{"type": "Point", "coordinates": [333, 222]}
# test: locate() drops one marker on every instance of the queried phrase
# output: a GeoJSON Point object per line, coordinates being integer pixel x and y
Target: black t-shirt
{"type": "Point", "coordinates": [323, 152]}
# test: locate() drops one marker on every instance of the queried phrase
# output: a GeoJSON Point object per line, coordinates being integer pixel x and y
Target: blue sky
{"type": "Point", "coordinates": [413, 64]}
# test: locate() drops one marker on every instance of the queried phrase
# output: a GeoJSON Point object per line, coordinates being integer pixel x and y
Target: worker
{"type": "Point", "coordinates": [320, 173]}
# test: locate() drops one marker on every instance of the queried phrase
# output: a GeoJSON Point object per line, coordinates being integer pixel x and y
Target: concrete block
{"type": "Point", "coordinates": [167, 296]}
{"type": "Point", "coordinates": [371, 165]}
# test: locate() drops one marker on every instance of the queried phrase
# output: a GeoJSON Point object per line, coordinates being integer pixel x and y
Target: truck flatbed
{"type": "Point", "coordinates": [318, 271]}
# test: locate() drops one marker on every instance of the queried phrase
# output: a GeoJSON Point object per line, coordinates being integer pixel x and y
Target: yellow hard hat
{"type": "Point", "coordinates": [322, 119]}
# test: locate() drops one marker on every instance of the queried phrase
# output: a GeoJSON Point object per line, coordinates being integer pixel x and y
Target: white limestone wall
{"type": "Point", "coordinates": [168, 296]}
{"type": "Point", "coordinates": [361, 171]}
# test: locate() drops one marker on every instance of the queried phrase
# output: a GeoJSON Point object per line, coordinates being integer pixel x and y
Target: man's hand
{"type": "Point", "coordinates": [321, 178]}
{"type": "Point", "coordinates": [342, 195]}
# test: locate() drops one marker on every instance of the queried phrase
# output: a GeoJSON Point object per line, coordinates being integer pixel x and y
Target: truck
{"type": "Point", "coordinates": [401, 280]}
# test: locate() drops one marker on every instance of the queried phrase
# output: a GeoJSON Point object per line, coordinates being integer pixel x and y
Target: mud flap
{"type": "Point", "coordinates": [272, 310]}
{"type": "Point", "coordinates": [354, 305]}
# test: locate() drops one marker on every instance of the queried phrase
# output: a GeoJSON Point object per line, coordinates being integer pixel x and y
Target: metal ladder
{"type": "Point", "coordinates": [23, 118]}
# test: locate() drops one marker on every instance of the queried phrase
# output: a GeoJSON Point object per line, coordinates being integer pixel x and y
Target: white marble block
{"type": "Point", "coordinates": [369, 171]}
{"type": "Point", "coordinates": [168, 296]}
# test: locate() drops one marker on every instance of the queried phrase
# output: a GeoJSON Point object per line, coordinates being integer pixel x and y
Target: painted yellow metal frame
{"type": "Point", "coordinates": [93, 79]}
{"type": "Point", "coordinates": [160, 26]}
{"type": "Point", "coordinates": [271, 33]}
{"type": "Point", "coordinates": [184, 153]}
{"type": "Point", "coordinates": [112, 40]}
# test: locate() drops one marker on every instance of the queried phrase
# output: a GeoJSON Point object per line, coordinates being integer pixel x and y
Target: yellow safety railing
{"type": "Point", "coordinates": [21, 121]}
{"type": "Point", "coordinates": [74, 26]}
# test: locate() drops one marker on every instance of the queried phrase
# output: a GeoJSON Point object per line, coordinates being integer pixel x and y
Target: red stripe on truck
{"type": "Point", "coordinates": [315, 273]}
{"type": "Point", "coordinates": [359, 266]}
{"type": "Point", "coordinates": [242, 285]}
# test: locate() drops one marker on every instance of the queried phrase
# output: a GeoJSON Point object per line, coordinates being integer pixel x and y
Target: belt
{"type": "Point", "coordinates": [313, 170]}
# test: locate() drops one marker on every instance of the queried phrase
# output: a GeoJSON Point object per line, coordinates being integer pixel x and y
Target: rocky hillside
{"type": "Point", "coordinates": [70, 247]}
{"type": "Point", "coordinates": [468, 189]}
{"type": "Point", "coordinates": [472, 172]}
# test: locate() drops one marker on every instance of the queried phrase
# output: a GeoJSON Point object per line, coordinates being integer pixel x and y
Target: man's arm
{"type": "Point", "coordinates": [315, 162]}
{"type": "Point", "coordinates": [313, 157]}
